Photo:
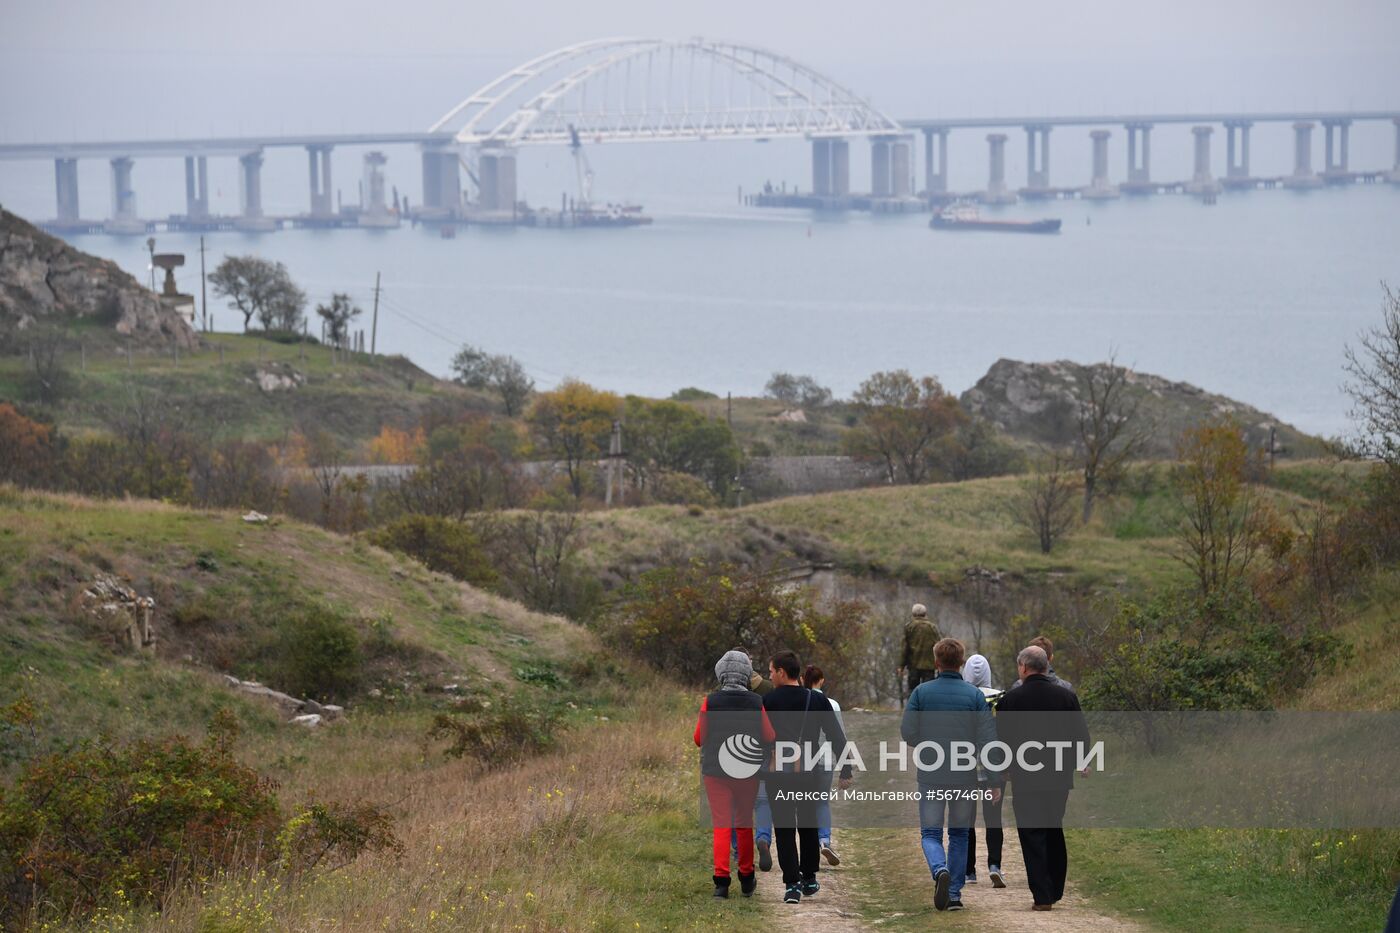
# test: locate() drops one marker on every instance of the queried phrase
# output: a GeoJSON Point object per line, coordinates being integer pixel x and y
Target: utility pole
{"type": "Point", "coordinates": [374, 326]}
{"type": "Point", "coordinates": [151, 248]}
{"type": "Point", "coordinates": [729, 408]}
{"type": "Point", "coordinates": [615, 464]}
{"type": "Point", "coordinates": [203, 289]}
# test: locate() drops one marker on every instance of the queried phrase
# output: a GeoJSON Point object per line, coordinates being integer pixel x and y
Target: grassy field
{"type": "Point", "coordinates": [933, 532]}
{"type": "Point", "coordinates": [351, 396]}
{"type": "Point", "coordinates": [599, 832]}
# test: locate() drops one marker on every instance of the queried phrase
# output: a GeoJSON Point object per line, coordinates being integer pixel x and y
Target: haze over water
{"type": "Point", "coordinates": [1254, 297]}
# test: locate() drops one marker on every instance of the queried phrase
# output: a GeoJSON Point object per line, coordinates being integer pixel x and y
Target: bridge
{"type": "Point", "coordinates": [655, 90]}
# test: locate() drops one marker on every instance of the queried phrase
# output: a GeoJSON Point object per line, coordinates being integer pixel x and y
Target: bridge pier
{"type": "Point", "coordinates": [1237, 156]}
{"type": "Point", "coordinates": [196, 187]}
{"type": "Point", "coordinates": [1037, 170]}
{"type": "Point", "coordinates": [840, 168]}
{"type": "Point", "coordinates": [497, 180]}
{"type": "Point", "coordinates": [322, 204]}
{"type": "Point", "coordinates": [997, 192]}
{"type": "Point", "coordinates": [442, 182]}
{"type": "Point", "coordinates": [1139, 163]}
{"type": "Point", "coordinates": [1337, 156]}
{"type": "Point", "coordinates": [374, 204]}
{"type": "Point", "coordinates": [936, 179]}
{"type": "Point", "coordinates": [880, 166]}
{"type": "Point", "coordinates": [901, 167]}
{"type": "Point", "coordinates": [250, 211]}
{"type": "Point", "coordinates": [1100, 188]}
{"type": "Point", "coordinates": [821, 167]}
{"type": "Point", "coordinates": [1303, 176]}
{"type": "Point", "coordinates": [65, 175]}
{"type": "Point", "coordinates": [1394, 172]}
{"type": "Point", "coordinates": [1202, 182]}
{"type": "Point", "coordinates": [124, 219]}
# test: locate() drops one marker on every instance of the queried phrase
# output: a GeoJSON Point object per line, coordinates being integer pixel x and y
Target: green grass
{"type": "Point", "coordinates": [757, 428]}
{"type": "Point", "coordinates": [352, 397]}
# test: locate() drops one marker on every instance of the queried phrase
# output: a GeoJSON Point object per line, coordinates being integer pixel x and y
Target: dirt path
{"type": "Point", "coordinates": [889, 889]}
{"type": "Point", "coordinates": [832, 909]}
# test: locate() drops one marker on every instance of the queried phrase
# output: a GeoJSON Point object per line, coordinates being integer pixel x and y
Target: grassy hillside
{"type": "Point", "coordinates": [597, 832]}
{"type": "Point", "coordinates": [934, 531]}
{"type": "Point", "coordinates": [350, 397]}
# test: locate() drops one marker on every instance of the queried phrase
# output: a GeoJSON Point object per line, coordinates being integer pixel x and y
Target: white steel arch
{"type": "Point", "coordinates": [638, 90]}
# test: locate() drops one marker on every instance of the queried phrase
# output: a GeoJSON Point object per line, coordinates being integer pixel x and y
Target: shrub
{"type": "Point", "coordinates": [440, 544]}
{"type": "Point", "coordinates": [681, 489]}
{"type": "Point", "coordinates": [318, 654]}
{"type": "Point", "coordinates": [333, 835]}
{"type": "Point", "coordinates": [26, 448]}
{"type": "Point", "coordinates": [682, 619]}
{"type": "Point", "coordinates": [497, 737]}
{"type": "Point", "coordinates": [692, 394]}
{"type": "Point", "coordinates": [82, 825]}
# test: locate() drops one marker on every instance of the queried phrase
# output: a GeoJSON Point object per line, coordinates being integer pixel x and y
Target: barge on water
{"type": "Point", "coordinates": [967, 217]}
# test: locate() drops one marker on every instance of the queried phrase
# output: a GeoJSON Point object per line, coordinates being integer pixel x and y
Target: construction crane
{"type": "Point", "coordinates": [585, 171]}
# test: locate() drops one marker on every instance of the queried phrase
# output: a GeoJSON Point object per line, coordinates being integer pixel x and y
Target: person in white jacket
{"type": "Point", "coordinates": [978, 672]}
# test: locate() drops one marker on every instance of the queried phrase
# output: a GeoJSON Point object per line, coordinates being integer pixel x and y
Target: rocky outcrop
{"type": "Point", "coordinates": [1040, 402]}
{"type": "Point", "coordinates": [303, 712]}
{"type": "Point", "coordinates": [44, 280]}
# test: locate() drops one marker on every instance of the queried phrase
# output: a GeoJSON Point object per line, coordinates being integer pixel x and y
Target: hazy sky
{"type": "Point", "coordinates": [108, 68]}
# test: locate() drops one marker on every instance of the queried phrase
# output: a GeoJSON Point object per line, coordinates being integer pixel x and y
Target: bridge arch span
{"type": "Point", "coordinates": [643, 90]}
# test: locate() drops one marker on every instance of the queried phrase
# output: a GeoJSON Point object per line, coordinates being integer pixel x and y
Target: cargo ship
{"type": "Point", "coordinates": [967, 217]}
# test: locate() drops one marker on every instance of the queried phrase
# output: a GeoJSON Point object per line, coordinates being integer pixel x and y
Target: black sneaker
{"type": "Point", "coordinates": [721, 886]}
{"type": "Point", "coordinates": [940, 889]}
{"type": "Point", "coordinates": [955, 905]}
{"type": "Point", "coordinates": [765, 855]}
{"type": "Point", "coordinates": [747, 883]}
{"type": "Point", "coordinates": [793, 895]}
{"type": "Point", "coordinates": [810, 887]}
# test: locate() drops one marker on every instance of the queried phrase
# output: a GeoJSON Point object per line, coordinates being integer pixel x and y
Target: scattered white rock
{"type": "Point", "coordinates": [255, 518]}
{"type": "Point", "coordinates": [310, 720]}
{"type": "Point", "coordinates": [273, 380]}
{"type": "Point", "coordinates": [793, 416]}
{"type": "Point", "coordinates": [122, 609]}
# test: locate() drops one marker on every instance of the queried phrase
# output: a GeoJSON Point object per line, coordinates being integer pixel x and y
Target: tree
{"type": "Point", "coordinates": [477, 369]}
{"type": "Point", "coordinates": [572, 424]}
{"type": "Point", "coordinates": [1045, 505]}
{"type": "Point", "coordinates": [338, 315]}
{"type": "Point", "coordinates": [668, 437]}
{"type": "Point", "coordinates": [508, 377]}
{"type": "Point", "coordinates": [465, 468]}
{"type": "Point", "coordinates": [48, 379]}
{"type": "Point", "coordinates": [260, 288]}
{"type": "Point", "coordinates": [900, 419]}
{"type": "Point", "coordinates": [975, 450]}
{"type": "Point", "coordinates": [326, 459]}
{"type": "Point", "coordinates": [679, 619]}
{"type": "Point", "coordinates": [536, 555]}
{"type": "Point", "coordinates": [1220, 519]}
{"type": "Point", "coordinates": [1110, 433]}
{"type": "Point", "coordinates": [1374, 386]}
{"type": "Point", "coordinates": [797, 391]}
{"type": "Point", "coordinates": [152, 428]}
{"type": "Point", "coordinates": [26, 449]}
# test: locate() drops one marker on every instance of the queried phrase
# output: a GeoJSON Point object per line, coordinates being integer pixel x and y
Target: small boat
{"type": "Point", "coordinates": [967, 217]}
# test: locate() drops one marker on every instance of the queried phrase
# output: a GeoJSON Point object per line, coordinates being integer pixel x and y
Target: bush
{"type": "Point", "coordinates": [333, 835]}
{"type": "Point", "coordinates": [681, 489]}
{"type": "Point", "coordinates": [682, 619]}
{"type": "Point", "coordinates": [318, 655]}
{"type": "Point", "coordinates": [497, 737]}
{"type": "Point", "coordinates": [440, 544]}
{"type": "Point", "coordinates": [130, 822]}
{"type": "Point", "coordinates": [692, 394]}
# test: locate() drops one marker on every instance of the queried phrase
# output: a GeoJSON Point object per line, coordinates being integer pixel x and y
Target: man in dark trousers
{"type": "Point", "coordinates": [917, 663]}
{"type": "Point", "coordinates": [1040, 710]}
{"type": "Point", "coordinates": [800, 716]}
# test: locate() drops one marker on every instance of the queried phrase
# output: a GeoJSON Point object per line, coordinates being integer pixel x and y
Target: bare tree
{"type": "Point", "coordinates": [1219, 516]}
{"type": "Point", "coordinates": [1046, 503]}
{"type": "Point", "coordinates": [1110, 429]}
{"type": "Point", "coordinates": [534, 552]}
{"type": "Point", "coordinates": [49, 379]}
{"type": "Point", "coordinates": [1374, 386]}
{"type": "Point", "coordinates": [326, 458]}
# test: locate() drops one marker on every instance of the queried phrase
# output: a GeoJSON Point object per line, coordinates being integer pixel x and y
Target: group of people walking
{"type": "Point", "coordinates": [758, 800]}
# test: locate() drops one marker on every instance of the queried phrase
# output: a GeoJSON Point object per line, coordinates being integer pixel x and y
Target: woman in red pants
{"type": "Point", "coordinates": [734, 736]}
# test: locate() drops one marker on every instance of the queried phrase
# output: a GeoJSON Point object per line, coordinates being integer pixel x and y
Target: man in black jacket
{"type": "Point", "coordinates": [800, 716]}
{"type": "Point", "coordinates": [1041, 711]}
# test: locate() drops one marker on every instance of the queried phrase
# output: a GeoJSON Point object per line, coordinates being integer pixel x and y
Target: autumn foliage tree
{"type": "Point", "coordinates": [901, 420]}
{"type": "Point", "coordinates": [26, 448]}
{"type": "Point", "coordinates": [572, 424]}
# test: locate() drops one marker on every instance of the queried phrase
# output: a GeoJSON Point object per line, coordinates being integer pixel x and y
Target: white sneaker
{"type": "Point", "coordinates": [997, 880]}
